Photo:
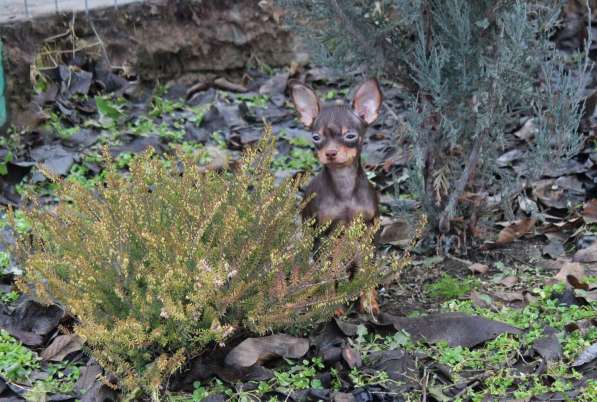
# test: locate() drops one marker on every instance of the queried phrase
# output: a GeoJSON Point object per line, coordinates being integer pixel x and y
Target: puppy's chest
{"type": "Point", "coordinates": [330, 208]}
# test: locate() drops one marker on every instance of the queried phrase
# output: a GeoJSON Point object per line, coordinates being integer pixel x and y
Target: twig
{"type": "Point", "coordinates": [58, 36]}
{"type": "Point", "coordinates": [463, 390]}
{"type": "Point", "coordinates": [471, 164]}
{"type": "Point", "coordinates": [99, 39]}
{"type": "Point", "coordinates": [513, 257]}
{"type": "Point", "coordinates": [425, 384]}
{"type": "Point", "coordinates": [299, 289]}
{"type": "Point", "coordinates": [460, 260]}
{"type": "Point", "coordinates": [589, 40]}
{"type": "Point", "coordinates": [428, 27]}
{"type": "Point", "coordinates": [391, 111]}
{"type": "Point", "coordinates": [223, 83]}
{"type": "Point", "coordinates": [72, 33]}
{"type": "Point", "coordinates": [58, 51]}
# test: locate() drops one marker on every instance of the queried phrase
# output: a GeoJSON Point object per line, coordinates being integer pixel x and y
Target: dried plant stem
{"type": "Point", "coordinates": [471, 164]}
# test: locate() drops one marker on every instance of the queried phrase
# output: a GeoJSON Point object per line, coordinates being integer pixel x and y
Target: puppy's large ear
{"type": "Point", "coordinates": [367, 100]}
{"type": "Point", "coordinates": [305, 101]}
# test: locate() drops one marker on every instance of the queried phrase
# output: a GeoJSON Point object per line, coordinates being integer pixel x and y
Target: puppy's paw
{"type": "Point", "coordinates": [340, 311]}
{"type": "Point", "coordinates": [368, 303]}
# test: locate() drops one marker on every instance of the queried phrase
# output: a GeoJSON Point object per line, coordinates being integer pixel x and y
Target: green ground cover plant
{"type": "Point", "coordinates": [17, 364]}
{"type": "Point", "coordinates": [449, 287]}
{"type": "Point", "coordinates": [16, 361]}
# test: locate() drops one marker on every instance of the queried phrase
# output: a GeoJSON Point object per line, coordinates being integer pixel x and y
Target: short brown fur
{"type": "Point", "coordinates": [341, 191]}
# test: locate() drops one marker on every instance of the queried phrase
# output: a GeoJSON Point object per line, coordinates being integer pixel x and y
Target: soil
{"type": "Point", "coordinates": [158, 41]}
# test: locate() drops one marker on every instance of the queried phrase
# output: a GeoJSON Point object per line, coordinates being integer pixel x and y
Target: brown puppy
{"type": "Point", "coordinates": [341, 191]}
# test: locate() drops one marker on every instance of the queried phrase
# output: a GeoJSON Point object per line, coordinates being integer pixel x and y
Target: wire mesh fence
{"type": "Point", "coordinates": [14, 10]}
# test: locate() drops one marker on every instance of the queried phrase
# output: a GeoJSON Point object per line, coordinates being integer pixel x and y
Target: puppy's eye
{"type": "Point", "coordinates": [316, 138]}
{"type": "Point", "coordinates": [351, 136]}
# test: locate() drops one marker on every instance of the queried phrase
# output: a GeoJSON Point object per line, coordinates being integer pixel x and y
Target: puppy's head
{"type": "Point", "coordinates": [337, 130]}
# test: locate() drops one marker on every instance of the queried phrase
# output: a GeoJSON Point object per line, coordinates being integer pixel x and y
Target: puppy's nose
{"type": "Point", "coordinates": [331, 153]}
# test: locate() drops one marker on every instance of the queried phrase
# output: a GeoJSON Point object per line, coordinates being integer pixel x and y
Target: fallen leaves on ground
{"type": "Point", "coordinates": [586, 356]}
{"type": "Point", "coordinates": [571, 269]}
{"type": "Point", "coordinates": [478, 268]}
{"type": "Point", "coordinates": [257, 350]}
{"type": "Point", "coordinates": [515, 230]}
{"type": "Point", "coordinates": [61, 347]}
{"type": "Point", "coordinates": [554, 249]}
{"type": "Point", "coordinates": [457, 329]}
{"type": "Point", "coordinates": [588, 254]}
{"type": "Point", "coordinates": [589, 212]}
{"type": "Point", "coordinates": [548, 346]}
{"type": "Point", "coordinates": [31, 322]}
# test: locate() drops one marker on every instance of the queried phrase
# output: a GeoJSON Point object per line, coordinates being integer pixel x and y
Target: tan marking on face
{"type": "Point", "coordinates": [345, 155]}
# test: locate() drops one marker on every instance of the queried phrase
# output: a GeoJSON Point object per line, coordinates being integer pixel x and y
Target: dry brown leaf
{"type": "Point", "coordinates": [527, 205]}
{"type": "Point", "coordinates": [509, 281]}
{"type": "Point", "coordinates": [223, 83]}
{"type": "Point", "coordinates": [584, 326]}
{"type": "Point", "coordinates": [579, 7]}
{"type": "Point", "coordinates": [588, 295]}
{"type": "Point", "coordinates": [554, 249]}
{"type": "Point", "coordinates": [587, 356]}
{"type": "Point", "coordinates": [88, 378]}
{"type": "Point", "coordinates": [62, 346]}
{"type": "Point", "coordinates": [457, 329]}
{"type": "Point", "coordinates": [388, 164]}
{"type": "Point", "coordinates": [550, 194]}
{"type": "Point", "coordinates": [343, 397]}
{"type": "Point", "coordinates": [515, 231]}
{"type": "Point", "coordinates": [348, 328]}
{"type": "Point", "coordinates": [588, 254]}
{"type": "Point", "coordinates": [573, 269]}
{"type": "Point", "coordinates": [509, 296]}
{"type": "Point", "coordinates": [256, 350]}
{"type": "Point", "coordinates": [590, 105]}
{"type": "Point", "coordinates": [351, 357]}
{"type": "Point", "coordinates": [198, 87]}
{"type": "Point", "coordinates": [589, 212]}
{"type": "Point", "coordinates": [530, 298]}
{"type": "Point", "coordinates": [527, 131]}
{"type": "Point", "coordinates": [548, 346]}
{"type": "Point", "coordinates": [480, 299]}
{"type": "Point", "coordinates": [576, 284]}
{"type": "Point", "coordinates": [479, 268]}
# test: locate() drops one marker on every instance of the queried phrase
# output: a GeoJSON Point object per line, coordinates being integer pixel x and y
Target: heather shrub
{"type": "Point", "coordinates": [158, 264]}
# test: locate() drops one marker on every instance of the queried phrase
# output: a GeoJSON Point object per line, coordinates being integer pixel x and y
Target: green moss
{"type": "Point", "coordinates": [449, 287]}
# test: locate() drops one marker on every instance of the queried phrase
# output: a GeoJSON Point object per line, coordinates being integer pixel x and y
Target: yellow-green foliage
{"type": "Point", "coordinates": [161, 262]}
